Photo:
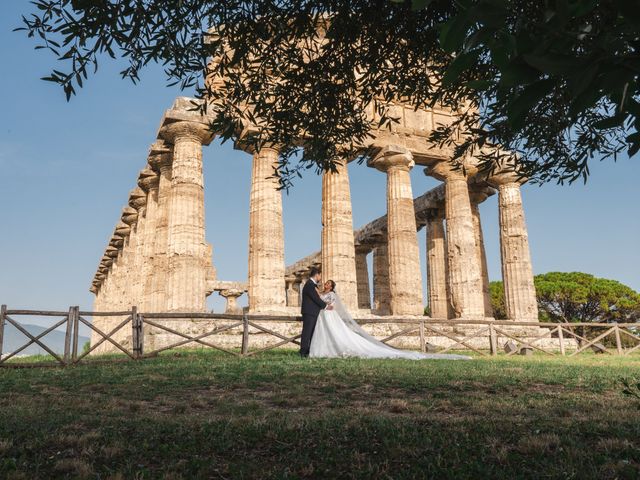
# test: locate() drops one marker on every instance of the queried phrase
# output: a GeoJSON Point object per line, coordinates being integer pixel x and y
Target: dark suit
{"type": "Point", "coordinates": [312, 304]}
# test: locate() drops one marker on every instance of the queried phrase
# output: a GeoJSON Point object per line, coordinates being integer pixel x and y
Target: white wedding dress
{"type": "Point", "coordinates": [337, 334]}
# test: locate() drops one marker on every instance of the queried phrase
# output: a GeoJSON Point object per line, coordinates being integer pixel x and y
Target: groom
{"type": "Point", "coordinates": [311, 306]}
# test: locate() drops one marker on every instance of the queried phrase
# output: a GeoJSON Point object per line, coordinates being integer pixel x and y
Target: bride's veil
{"type": "Point", "coordinates": [341, 310]}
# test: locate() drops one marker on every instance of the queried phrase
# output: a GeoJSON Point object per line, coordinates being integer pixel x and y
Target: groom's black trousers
{"type": "Point", "coordinates": [308, 327]}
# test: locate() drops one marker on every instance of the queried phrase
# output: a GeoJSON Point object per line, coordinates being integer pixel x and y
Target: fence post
{"type": "Point", "coordinates": [67, 336]}
{"type": "Point", "coordinates": [76, 324]}
{"type": "Point", "coordinates": [137, 336]}
{"type": "Point", "coordinates": [141, 334]}
{"type": "Point", "coordinates": [493, 340]}
{"type": "Point", "coordinates": [618, 340]}
{"type": "Point", "coordinates": [245, 334]}
{"type": "Point", "coordinates": [423, 347]}
{"type": "Point", "coordinates": [561, 339]}
{"type": "Point", "coordinates": [3, 314]}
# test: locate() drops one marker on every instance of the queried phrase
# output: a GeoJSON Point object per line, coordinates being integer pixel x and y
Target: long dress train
{"type": "Point", "coordinates": [337, 334]}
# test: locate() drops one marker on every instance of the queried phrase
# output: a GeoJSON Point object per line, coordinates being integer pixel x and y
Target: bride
{"type": "Point", "coordinates": [337, 334]}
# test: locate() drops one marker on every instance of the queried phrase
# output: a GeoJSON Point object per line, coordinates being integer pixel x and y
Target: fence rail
{"type": "Point", "coordinates": [481, 336]}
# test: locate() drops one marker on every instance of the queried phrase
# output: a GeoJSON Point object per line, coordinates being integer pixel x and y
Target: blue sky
{"type": "Point", "coordinates": [66, 170]}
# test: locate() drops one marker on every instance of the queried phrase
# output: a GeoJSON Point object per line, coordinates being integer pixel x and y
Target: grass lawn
{"type": "Point", "coordinates": [201, 414]}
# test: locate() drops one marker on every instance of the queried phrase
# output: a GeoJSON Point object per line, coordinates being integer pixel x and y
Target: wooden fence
{"type": "Point", "coordinates": [479, 336]}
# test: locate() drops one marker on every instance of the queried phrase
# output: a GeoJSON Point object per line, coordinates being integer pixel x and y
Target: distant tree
{"type": "Point", "coordinates": [497, 300]}
{"type": "Point", "coordinates": [553, 82]}
{"type": "Point", "coordinates": [577, 297]}
{"type": "Point", "coordinates": [580, 297]}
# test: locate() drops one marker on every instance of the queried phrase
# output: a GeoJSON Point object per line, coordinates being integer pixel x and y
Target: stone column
{"type": "Point", "coordinates": [362, 274]}
{"type": "Point", "coordinates": [186, 247]}
{"type": "Point", "coordinates": [517, 273]}
{"type": "Point", "coordinates": [293, 292]}
{"type": "Point", "coordinates": [338, 251]}
{"type": "Point", "coordinates": [405, 277]}
{"type": "Point", "coordinates": [477, 196]}
{"type": "Point", "coordinates": [381, 291]}
{"type": "Point", "coordinates": [148, 182]}
{"type": "Point", "coordinates": [231, 296]}
{"type": "Point", "coordinates": [126, 259]}
{"type": "Point", "coordinates": [138, 201]}
{"type": "Point", "coordinates": [465, 276]}
{"type": "Point", "coordinates": [156, 286]}
{"type": "Point", "coordinates": [437, 266]}
{"type": "Point", "coordinates": [266, 236]}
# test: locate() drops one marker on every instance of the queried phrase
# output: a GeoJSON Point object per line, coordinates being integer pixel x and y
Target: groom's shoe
{"type": "Point", "coordinates": [304, 355]}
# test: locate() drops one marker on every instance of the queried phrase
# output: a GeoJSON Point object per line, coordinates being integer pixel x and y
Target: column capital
{"type": "Point", "coordinates": [129, 216]}
{"type": "Point", "coordinates": [231, 292]}
{"type": "Point", "coordinates": [137, 198]}
{"type": "Point", "coordinates": [392, 156]}
{"type": "Point", "coordinates": [363, 249]}
{"type": "Point", "coordinates": [122, 229]}
{"type": "Point", "coordinates": [184, 129]}
{"type": "Point", "coordinates": [506, 176]}
{"type": "Point", "coordinates": [448, 170]}
{"type": "Point", "coordinates": [160, 156]}
{"type": "Point", "coordinates": [116, 241]}
{"type": "Point", "coordinates": [149, 183]}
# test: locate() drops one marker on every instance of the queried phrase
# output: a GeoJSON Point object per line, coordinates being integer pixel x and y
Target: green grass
{"type": "Point", "coordinates": [205, 415]}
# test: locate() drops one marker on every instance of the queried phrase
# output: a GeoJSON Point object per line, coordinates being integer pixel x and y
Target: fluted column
{"type": "Point", "coordinates": [437, 266]}
{"type": "Point", "coordinates": [186, 247]}
{"type": "Point", "coordinates": [149, 182]}
{"type": "Point", "coordinates": [405, 277]}
{"type": "Point", "coordinates": [138, 201]}
{"type": "Point", "coordinates": [517, 273]}
{"type": "Point", "coordinates": [477, 196]}
{"type": "Point", "coordinates": [126, 259]}
{"type": "Point", "coordinates": [266, 236]}
{"type": "Point", "coordinates": [362, 274]}
{"type": "Point", "coordinates": [156, 284]}
{"type": "Point", "coordinates": [463, 263]}
{"type": "Point", "coordinates": [338, 251]}
{"type": "Point", "coordinates": [381, 291]}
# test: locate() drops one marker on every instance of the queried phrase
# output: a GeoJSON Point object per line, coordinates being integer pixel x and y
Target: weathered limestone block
{"type": "Point", "coordinates": [266, 236]}
{"type": "Point", "coordinates": [405, 278]}
{"type": "Point", "coordinates": [362, 274]}
{"type": "Point", "coordinates": [437, 281]}
{"type": "Point", "coordinates": [338, 251]}
{"type": "Point", "coordinates": [463, 264]}
{"type": "Point", "coordinates": [186, 247]}
{"type": "Point", "coordinates": [517, 273]}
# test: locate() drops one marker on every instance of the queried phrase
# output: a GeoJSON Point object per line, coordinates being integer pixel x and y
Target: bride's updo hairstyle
{"type": "Point", "coordinates": [333, 285]}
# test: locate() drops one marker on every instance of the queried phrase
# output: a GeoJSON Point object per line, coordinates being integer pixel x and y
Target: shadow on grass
{"type": "Point", "coordinates": [203, 414]}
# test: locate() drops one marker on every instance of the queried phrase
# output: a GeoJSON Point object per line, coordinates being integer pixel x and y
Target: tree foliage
{"type": "Point", "coordinates": [554, 82]}
{"type": "Point", "coordinates": [577, 297]}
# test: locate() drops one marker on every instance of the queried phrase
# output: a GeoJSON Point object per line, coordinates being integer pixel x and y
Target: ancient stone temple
{"type": "Point", "coordinates": [158, 259]}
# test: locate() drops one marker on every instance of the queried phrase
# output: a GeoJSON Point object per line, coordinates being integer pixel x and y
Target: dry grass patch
{"type": "Point", "coordinates": [539, 444]}
{"type": "Point", "coordinates": [75, 467]}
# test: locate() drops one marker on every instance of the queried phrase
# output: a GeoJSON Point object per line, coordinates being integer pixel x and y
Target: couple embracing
{"type": "Point", "coordinates": [329, 330]}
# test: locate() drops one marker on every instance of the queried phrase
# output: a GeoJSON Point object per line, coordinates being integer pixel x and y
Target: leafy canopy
{"type": "Point", "coordinates": [577, 297]}
{"type": "Point", "coordinates": [553, 82]}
